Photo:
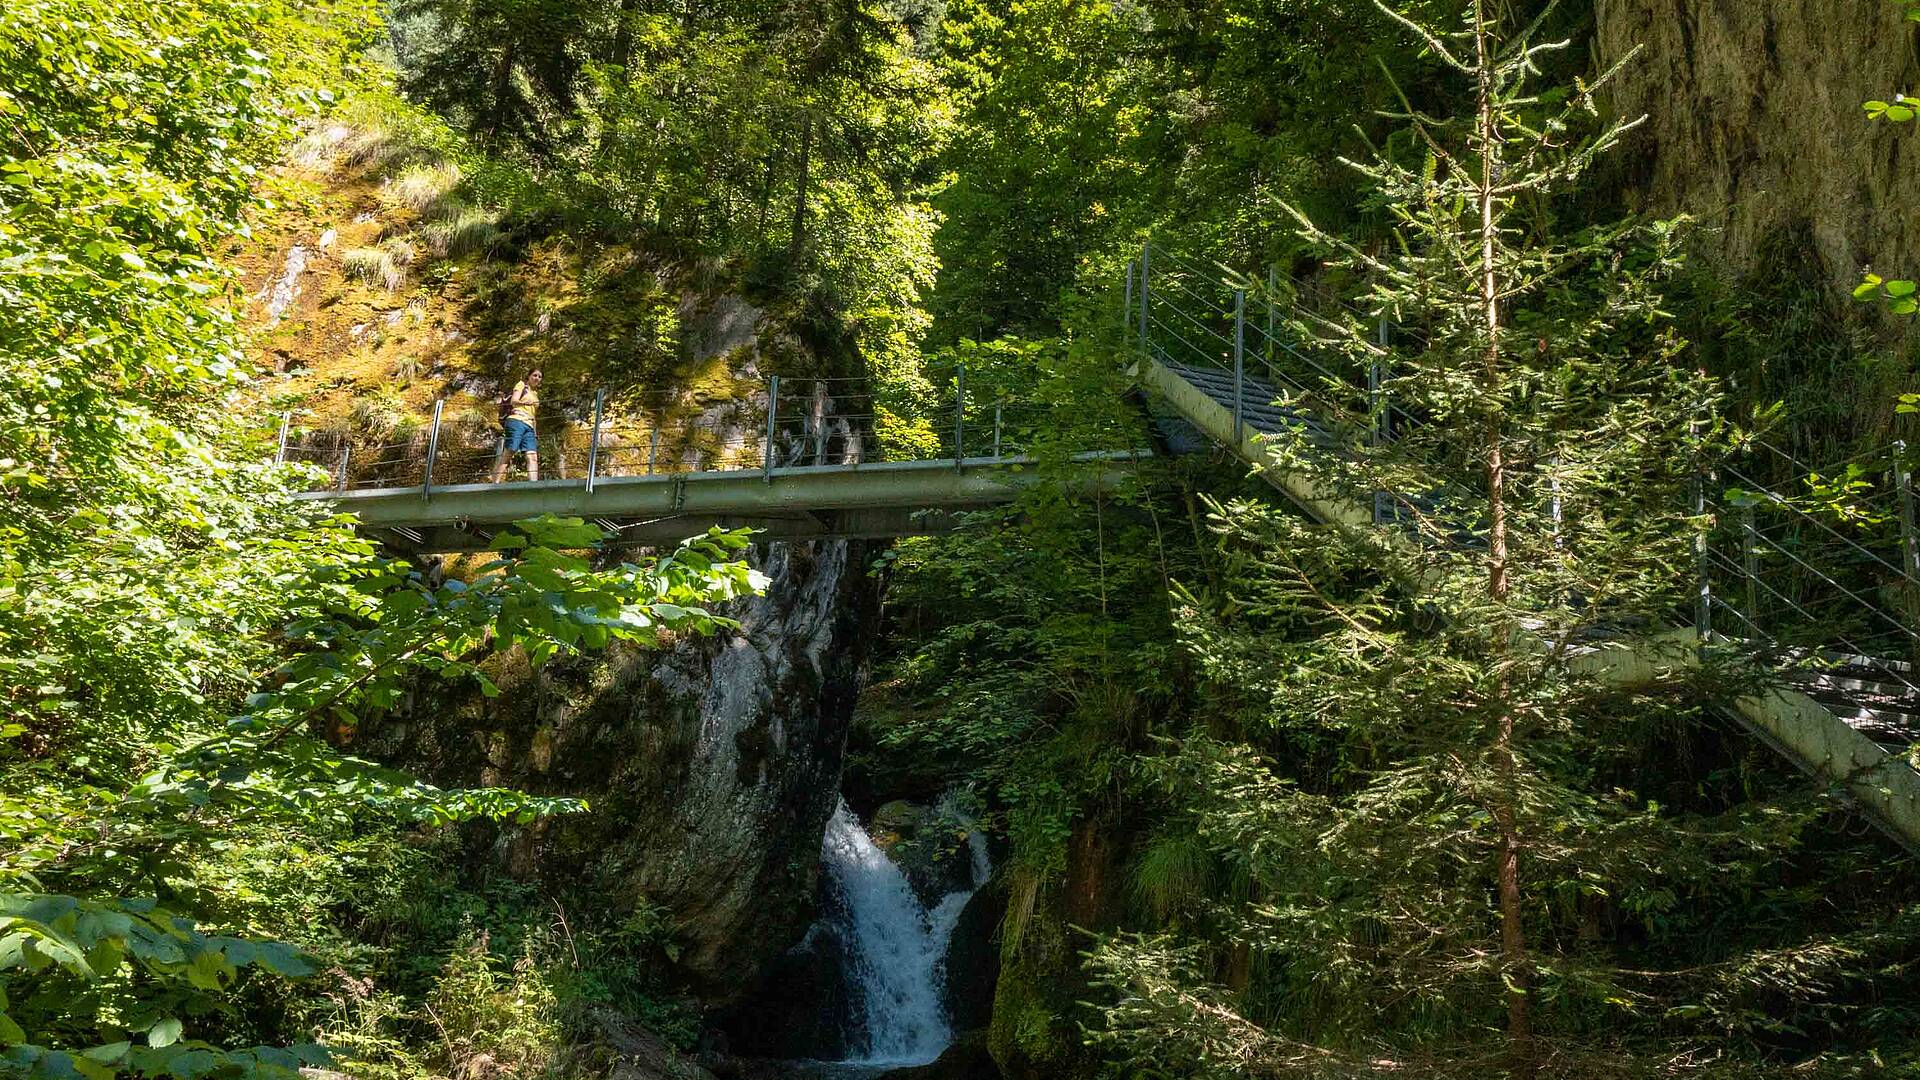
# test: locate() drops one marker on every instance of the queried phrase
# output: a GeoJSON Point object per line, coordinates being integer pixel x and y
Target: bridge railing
{"type": "Point", "coordinates": [1806, 563]}
{"type": "Point", "coordinates": [779, 423]}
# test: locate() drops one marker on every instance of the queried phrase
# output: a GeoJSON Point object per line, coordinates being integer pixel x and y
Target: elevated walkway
{"type": "Point", "coordinates": [869, 500]}
{"type": "Point", "coordinates": [1847, 719]}
{"type": "Point", "coordinates": [788, 457]}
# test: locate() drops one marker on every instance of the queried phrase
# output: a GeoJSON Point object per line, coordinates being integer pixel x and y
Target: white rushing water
{"type": "Point", "coordinates": [898, 948]}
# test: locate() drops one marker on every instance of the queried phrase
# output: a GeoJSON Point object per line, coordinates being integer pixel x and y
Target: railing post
{"type": "Point", "coordinates": [1146, 288]}
{"type": "Point", "coordinates": [1553, 498]}
{"type": "Point", "coordinates": [1377, 378]}
{"type": "Point", "coordinates": [653, 447]}
{"type": "Point", "coordinates": [959, 416]}
{"type": "Point", "coordinates": [593, 440]}
{"type": "Point", "coordinates": [1239, 365]}
{"type": "Point", "coordinates": [433, 450]}
{"type": "Point", "coordinates": [1126, 308]}
{"type": "Point", "coordinates": [996, 432]}
{"type": "Point", "coordinates": [1381, 433]}
{"type": "Point", "coordinates": [1903, 479]}
{"type": "Point", "coordinates": [280, 454]}
{"type": "Point", "coordinates": [1909, 544]}
{"type": "Point", "coordinates": [773, 413]}
{"type": "Point", "coordinates": [1750, 567]}
{"type": "Point", "coordinates": [1703, 599]}
{"type": "Point", "coordinates": [1273, 293]}
{"type": "Point", "coordinates": [346, 454]}
{"type": "Point", "coordinates": [817, 416]}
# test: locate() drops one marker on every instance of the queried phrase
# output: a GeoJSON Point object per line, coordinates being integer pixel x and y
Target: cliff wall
{"type": "Point", "coordinates": [1754, 124]}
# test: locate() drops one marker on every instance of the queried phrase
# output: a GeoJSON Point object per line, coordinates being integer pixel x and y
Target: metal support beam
{"type": "Point", "coordinates": [593, 441]}
{"type": "Point", "coordinates": [1146, 285]}
{"type": "Point", "coordinates": [1239, 365]}
{"type": "Point", "coordinates": [996, 432]}
{"type": "Point", "coordinates": [280, 454]}
{"type": "Point", "coordinates": [904, 486]}
{"type": "Point", "coordinates": [433, 450]}
{"type": "Point", "coordinates": [653, 448]}
{"type": "Point", "coordinates": [773, 414]}
{"type": "Point", "coordinates": [959, 415]}
{"type": "Point", "coordinates": [1126, 308]}
{"type": "Point", "coordinates": [346, 454]}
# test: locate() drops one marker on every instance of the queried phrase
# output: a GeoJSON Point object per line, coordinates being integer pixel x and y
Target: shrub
{"type": "Point", "coordinates": [422, 187]}
{"type": "Point", "coordinates": [495, 1023]}
{"type": "Point", "coordinates": [399, 249]}
{"type": "Point", "coordinates": [464, 232]}
{"type": "Point", "coordinates": [373, 266]}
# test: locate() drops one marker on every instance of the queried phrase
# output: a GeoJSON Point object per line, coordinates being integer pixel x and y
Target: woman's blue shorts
{"type": "Point", "coordinates": [519, 435]}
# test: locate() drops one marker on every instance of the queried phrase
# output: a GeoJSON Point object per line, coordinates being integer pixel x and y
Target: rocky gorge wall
{"type": "Point", "coordinates": [711, 767]}
{"type": "Point", "coordinates": [1754, 124]}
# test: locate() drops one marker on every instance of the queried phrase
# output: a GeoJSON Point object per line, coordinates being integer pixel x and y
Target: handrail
{"type": "Point", "coordinates": [1162, 284]}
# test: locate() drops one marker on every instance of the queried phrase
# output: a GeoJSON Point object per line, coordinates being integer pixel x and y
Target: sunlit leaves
{"type": "Point", "coordinates": [153, 567]}
{"type": "Point", "coordinates": [1897, 295]}
{"type": "Point", "coordinates": [1898, 111]}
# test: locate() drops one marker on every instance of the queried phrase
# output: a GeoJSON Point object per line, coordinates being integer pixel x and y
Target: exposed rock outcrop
{"type": "Point", "coordinates": [966, 1059]}
{"type": "Point", "coordinates": [973, 957]}
{"type": "Point", "coordinates": [1754, 123]}
{"type": "Point", "coordinates": [640, 1055]}
{"type": "Point", "coordinates": [711, 768]}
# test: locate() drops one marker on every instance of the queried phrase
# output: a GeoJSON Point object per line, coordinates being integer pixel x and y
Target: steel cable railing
{"type": "Point", "coordinates": [781, 423]}
{"type": "Point", "coordinates": [1852, 582]}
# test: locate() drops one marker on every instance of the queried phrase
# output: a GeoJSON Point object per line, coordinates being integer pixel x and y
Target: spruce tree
{"type": "Point", "coordinates": [1442, 803]}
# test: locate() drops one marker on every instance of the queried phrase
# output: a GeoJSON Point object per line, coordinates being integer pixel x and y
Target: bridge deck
{"type": "Point", "coordinates": [1830, 739]}
{"type": "Point", "coordinates": [878, 499]}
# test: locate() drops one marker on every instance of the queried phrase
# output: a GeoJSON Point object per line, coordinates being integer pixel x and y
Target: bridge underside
{"type": "Point", "coordinates": [882, 499]}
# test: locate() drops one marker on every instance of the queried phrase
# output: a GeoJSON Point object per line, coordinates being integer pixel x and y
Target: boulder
{"type": "Point", "coordinates": [928, 844]}
{"type": "Point", "coordinates": [966, 1059]}
{"type": "Point", "coordinates": [639, 1053]}
{"type": "Point", "coordinates": [799, 1008]}
{"type": "Point", "coordinates": [973, 957]}
{"type": "Point", "coordinates": [710, 767]}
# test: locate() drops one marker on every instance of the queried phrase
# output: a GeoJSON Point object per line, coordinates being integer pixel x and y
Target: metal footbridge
{"type": "Point", "coordinates": [793, 458]}
{"type": "Point", "coordinates": [1827, 605]}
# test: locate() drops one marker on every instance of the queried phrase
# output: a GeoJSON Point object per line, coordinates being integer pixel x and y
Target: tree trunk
{"type": "Point", "coordinates": [502, 86]}
{"type": "Point", "coordinates": [623, 34]}
{"type": "Point", "coordinates": [800, 188]}
{"type": "Point", "coordinates": [1513, 945]}
{"type": "Point", "coordinates": [765, 199]}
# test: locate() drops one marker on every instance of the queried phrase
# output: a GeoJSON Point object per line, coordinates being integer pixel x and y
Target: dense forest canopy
{"type": "Point", "coordinates": [1298, 770]}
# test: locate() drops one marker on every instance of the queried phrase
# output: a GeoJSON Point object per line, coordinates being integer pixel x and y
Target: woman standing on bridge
{"type": "Point", "coordinates": [516, 427]}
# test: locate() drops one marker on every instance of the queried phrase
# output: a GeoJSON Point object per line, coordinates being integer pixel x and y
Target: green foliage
{"type": "Point", "coordinates": [154, 570]}
{"type": "Point", "coordinates": [508, 1019]}
{"type": "Point", "coordinates": [1897, 295]}
{"type": "Point", "coordinates": [1083, 127]}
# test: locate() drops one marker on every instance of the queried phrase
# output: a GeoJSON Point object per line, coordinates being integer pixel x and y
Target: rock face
{"type": "Point", "coordinates": [710, 768]}
{"type": "Point", "coordinates": [639, 1053]}
{"type": "Point", "coordinates": [801, 1008]}
{"type": "Point", "coordinates": [973, 958]}
{"type": "Point", "coordinates": [966, 1059]}
{"type": "Point", "coordinates": [1755, 123]}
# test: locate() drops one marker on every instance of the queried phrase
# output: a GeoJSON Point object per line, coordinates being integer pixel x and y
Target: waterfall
{"type": "Point", "coordinates": [897, 948]}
